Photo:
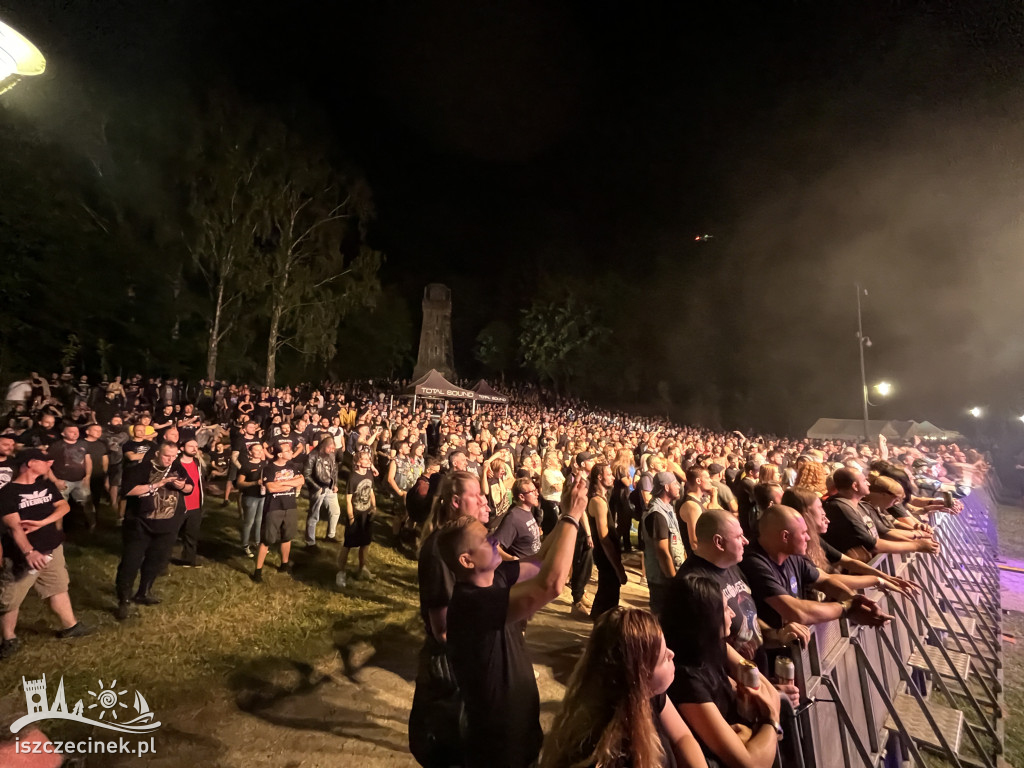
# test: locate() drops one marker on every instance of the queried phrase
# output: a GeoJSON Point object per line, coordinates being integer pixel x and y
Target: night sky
{"type": "Point", "coordinates": [510, 143]}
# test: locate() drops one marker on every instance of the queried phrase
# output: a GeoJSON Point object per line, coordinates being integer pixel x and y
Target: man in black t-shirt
{"type": "Point", "coordinates": [854, 526]}
{"type": "Point", "coordinates": [33, 548]}
{"type": "Point", "coordinates": [282, 479]}
{"type": "Point", "coordinates": [360, 504]}
{"type": "Point", "coordinates": [485, 641]}
{"type": "Point", "coordinates": [42, 434]}
{"type": "Point", "coordinates": [99, 456]}
{"type": "Point", "coordinates": [72, 467]}
{"type": "Point", "coordinates": [780, 574]}
{"type": "Point", "coordinates": [154, 493]}
{"type": "Point", "coordinates": [518, 533]}
{"type": "Point", "coordinates": [7, 463]}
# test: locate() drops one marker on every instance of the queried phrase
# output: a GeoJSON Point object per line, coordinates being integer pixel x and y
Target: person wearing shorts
{"type": "Point", "coordinates": [72, 467]}
{"type": "Point", "coordinates": [33, 551]}
{"type": "Point", "coordinates": [282, 478]}
{"type": "Point", "coordinates": [360, 504]}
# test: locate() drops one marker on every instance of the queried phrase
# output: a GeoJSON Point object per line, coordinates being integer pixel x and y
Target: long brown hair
{"type": "Point", "coordinates": [442, 511]}
{"type": "Point", "coordinates": [606, 716]}
{"type": "Point", "coordinates": [802, 499]}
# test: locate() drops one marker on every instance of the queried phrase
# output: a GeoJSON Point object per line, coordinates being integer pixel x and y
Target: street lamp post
{"type": "Point", "coordinates": [862, 341]}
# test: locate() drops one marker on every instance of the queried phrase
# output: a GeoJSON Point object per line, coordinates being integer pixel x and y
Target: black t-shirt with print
{"type": "Point", "coordinates": [6, 471]}
{"type": "Point", "coordinates": [359, 486]}
{"type": "Point", "coordinates": [273, 472]}
{"type": "Point", "coordinates": [768, 579]}
{"type": "Point", "coordinates": [161, 510]}
{"type": "Point", "coordinates": [33, 501]}
{"type": "Point", "coordinates": [252, 470]}
{"type": "Point", "coordinates": [68, 460]}
{"type": "Point", "coordinates": [494, 673]}
{"type": "Point", "coordinates": [744, 633]}
{"type": "Point", "coordinates": [849, 525]}
{"type": "Point", "coordinates": [137, 446]}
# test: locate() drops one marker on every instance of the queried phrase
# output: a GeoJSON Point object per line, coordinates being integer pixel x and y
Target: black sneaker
{"type": "Point", "coordinates": [332, 539]}
{"type": "Point", "coordinates": [257, 576]}
{"type": "Point", "coordinates": [312, 549]}
{"type": "Point", "coordinates": [123, 610]}
{"type": "Point", "coordinates": [285, 568]}
{"type": "Point", "coordinates": [78, 630]}
{"type": "Point", "coordinates": [183, 563]}
{"type": "Point", "coordinates": [147, 599]}
{"type": "Point", "coordinates": [9, 647]}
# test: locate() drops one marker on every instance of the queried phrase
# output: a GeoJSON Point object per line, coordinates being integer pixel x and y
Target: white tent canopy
{"type": "Point", "coordinates": [853, 429]}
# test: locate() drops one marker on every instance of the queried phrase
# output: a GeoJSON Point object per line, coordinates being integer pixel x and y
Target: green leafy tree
{"type": "Point", "coordinates": [496, 347]}
{"type": "Point", "coordinates": [556, 335]}
{"type": "Point", "coordinates": [314, 266]}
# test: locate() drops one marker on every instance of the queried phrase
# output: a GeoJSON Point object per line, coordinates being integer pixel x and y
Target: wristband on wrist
{"type": "Point", "coordinates": [26, 554]}
{"type": "Point", "coordinates": [569, 519]}
{"type": "Point", "coordinates": [847, 604]}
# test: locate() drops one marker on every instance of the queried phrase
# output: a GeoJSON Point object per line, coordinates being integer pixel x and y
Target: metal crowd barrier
{"type": "Point", "coordinates": [927, 689]}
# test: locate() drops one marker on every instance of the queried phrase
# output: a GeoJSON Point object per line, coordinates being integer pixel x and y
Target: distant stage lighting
{"type": "Point", "coordinates": [976, 412]}
{"type": "Point", "coordinates": [18, 58]}
{"type": "Point", "coordinates": [884, 388]}
{"type": "Point", "coordinates": [1021, 418]}
{"type": "Point", "coordinates": [703, 238]}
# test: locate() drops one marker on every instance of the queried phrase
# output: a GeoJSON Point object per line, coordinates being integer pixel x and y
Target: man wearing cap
{"type": "Point", "coordinates": [154, 492]}
{"type": "Point", "coordinates": [33, 548]}
{"type": "Point", "coordinates": [663, 541]}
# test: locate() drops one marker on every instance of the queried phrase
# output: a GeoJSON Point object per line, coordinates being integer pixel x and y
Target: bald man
{"type": "Point", "coordinates": [779, 575]}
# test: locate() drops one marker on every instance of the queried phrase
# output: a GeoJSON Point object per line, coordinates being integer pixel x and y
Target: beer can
{"type": "Point", "coordinates": [749, 675]}
{"type": "Point", "coordinates": [785, 670]}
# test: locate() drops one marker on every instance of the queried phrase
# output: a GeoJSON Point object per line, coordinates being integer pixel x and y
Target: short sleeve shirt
{"type": "Point", "coordinates": [768, 579]}
{"type": "Point", "coordinates": [518, 533]}
{"type": "Point", "coordinates": [436, 581]}
{"type": "Point", "coordinates": [849, 525]}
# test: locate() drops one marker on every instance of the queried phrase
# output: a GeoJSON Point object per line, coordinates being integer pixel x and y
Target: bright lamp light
{"type": "Point", "coordinates": [975, 412]}
{"type": "Point", "coordinates": [18, 56]}
{"type": "Point", "coordinates": [884, 388]}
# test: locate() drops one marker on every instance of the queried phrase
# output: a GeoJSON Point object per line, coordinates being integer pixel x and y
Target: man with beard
{"type": "Point", "coordinates": [360, 504]}
{"type": "Point", "coordinates": [282, 479]}
{"type": "Point", "coordinates": [115, 436]}
{"type": "Point", "coordinates": [40, 435]}
{"type": "Point", "coordinates": [154, 492]}
{"type": "Point", "coordinates": [7, 464]}
{"type": "Point", "coordinates": [191, 463]}
{"type": "Point", "coordinates": [251, 496]}
{"type": "Point", "coordinates": [322, 475]}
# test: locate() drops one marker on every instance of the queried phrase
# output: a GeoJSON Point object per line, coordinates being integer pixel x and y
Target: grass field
{"type": "Point", "coordinates": [214, 625]}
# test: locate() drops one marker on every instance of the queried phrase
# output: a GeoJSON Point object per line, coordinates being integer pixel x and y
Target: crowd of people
{"type": "Point", "coordinates": [745, 542]}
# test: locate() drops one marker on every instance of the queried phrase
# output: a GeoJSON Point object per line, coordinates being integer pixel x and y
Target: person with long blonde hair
{"type": "Point", "coordinates": [615, 712]}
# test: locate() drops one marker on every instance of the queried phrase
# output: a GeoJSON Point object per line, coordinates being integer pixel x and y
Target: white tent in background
{"type": "Point", "coordinates": [853, 429]}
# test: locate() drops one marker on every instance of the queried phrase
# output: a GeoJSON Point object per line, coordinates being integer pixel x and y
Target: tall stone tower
{"type": "Point", "coordinates": [436, 335]}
